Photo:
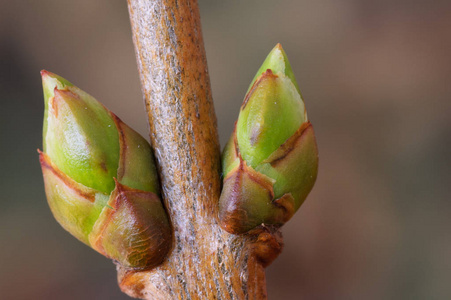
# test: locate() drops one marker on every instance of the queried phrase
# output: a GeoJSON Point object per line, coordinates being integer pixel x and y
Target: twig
{"type": "Point", "coordinates": [205, 262]}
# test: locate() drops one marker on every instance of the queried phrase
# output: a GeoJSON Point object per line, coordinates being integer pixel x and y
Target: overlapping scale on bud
{"type": "Point", "coordinates": [270, 163]}
{"type": "Point", "coordinates": [100, 178]}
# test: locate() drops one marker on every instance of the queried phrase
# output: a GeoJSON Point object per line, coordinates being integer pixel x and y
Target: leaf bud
{"type": "Point", "coordinates": [100, 178]}
{"type": "Point", "coordinates": [270, 163]}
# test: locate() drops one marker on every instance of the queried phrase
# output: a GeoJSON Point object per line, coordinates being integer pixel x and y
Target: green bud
{"type": "Point", "coordinates": [270, 163]}
{"type": "Point", "coordinates": [100, 178]}
{"type": "Point", "coordinates": [277, 62]}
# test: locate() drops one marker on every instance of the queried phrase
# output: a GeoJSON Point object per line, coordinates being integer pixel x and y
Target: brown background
{"type": "Point", "coordinates": [376, 78]}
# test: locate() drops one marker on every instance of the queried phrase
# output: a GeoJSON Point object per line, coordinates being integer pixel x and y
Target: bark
{"type": "Point", "coordinates": [205, 262]}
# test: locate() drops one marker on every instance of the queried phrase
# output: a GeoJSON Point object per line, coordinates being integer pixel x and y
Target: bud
{"type": "Point", "coordinates": [270, 163]}
{"type": "Point", "coordinates": [100, 178]}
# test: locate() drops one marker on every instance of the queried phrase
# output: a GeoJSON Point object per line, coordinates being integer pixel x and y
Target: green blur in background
{"type": "Point", "coordinates": [375, 77]}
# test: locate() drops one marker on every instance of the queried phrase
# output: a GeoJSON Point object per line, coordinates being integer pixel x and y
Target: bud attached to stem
{"type": "Point", "coordinates": [270, 163]}
{"type": "Point", "coordinates": [100, 178]}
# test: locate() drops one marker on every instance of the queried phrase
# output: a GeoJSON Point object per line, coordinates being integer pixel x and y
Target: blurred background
{"type": "Point", "coordinates": [376, 79]}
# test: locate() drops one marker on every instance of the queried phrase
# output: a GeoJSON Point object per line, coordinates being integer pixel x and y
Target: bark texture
{"type": "Point", "coordinates": [205, 262]}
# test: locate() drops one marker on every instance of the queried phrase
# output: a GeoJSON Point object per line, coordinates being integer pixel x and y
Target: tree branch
{"type": "Point", "coordinates": [205, 262]}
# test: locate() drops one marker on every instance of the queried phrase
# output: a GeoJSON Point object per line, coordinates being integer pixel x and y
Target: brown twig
{"type": "Point", "coordinates": [205, 262]}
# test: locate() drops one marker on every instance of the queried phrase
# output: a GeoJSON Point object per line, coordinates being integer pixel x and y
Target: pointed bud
{"type": "Point", "coordinates": [273, 139]}
{"type": "Point", "coordinates": [100, 178]}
